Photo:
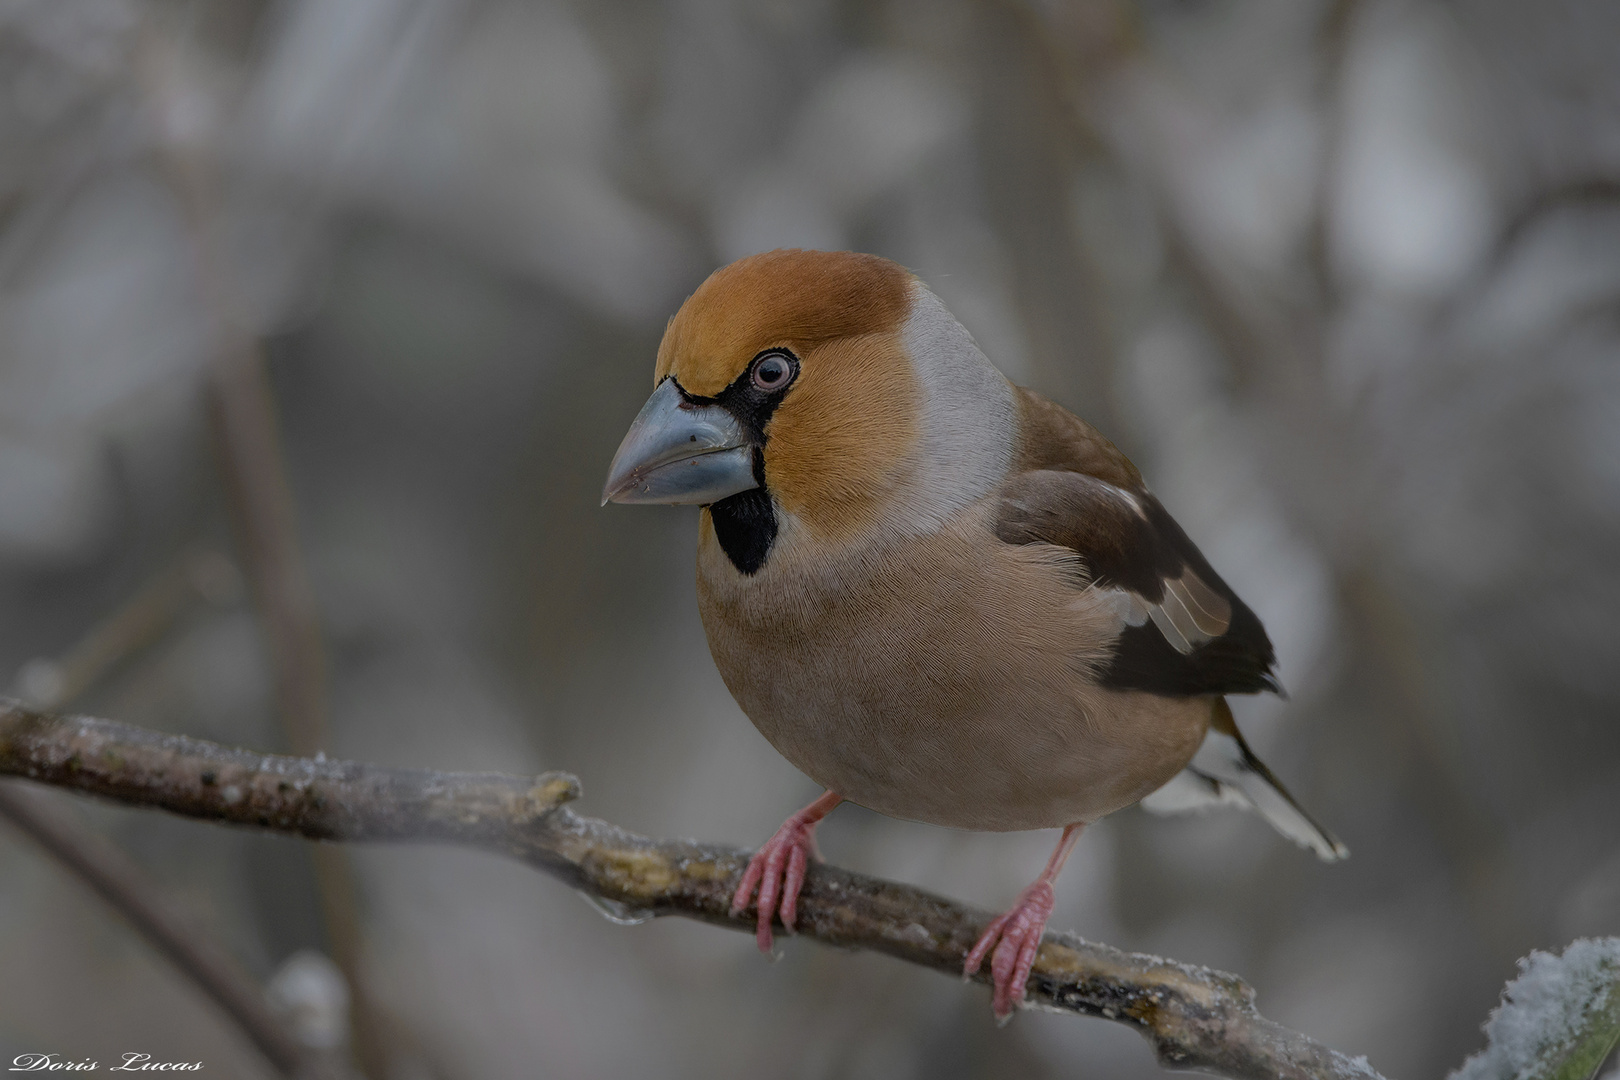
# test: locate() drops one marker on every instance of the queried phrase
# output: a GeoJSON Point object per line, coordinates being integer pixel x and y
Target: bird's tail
{"type": "Point", "coordinates": [1226, 772]}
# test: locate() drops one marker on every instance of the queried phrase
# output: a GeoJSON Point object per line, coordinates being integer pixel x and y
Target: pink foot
{"type": "Point", "coordinates": [1016, 937]}
{"type": "Point", "coordinates": [778, 867]}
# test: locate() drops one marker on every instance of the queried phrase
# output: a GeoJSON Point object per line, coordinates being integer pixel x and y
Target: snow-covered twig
{"type": "Point", "coordinates": [1558, 1020]}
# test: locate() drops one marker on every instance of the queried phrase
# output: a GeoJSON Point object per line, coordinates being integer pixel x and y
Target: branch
{"type": "Point", "coordinates": [1194, 1017]}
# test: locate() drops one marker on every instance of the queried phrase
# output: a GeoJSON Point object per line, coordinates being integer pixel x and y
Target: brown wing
{"type": "Point", "coordinates": [1184, 630]}
{"type": "Point", "coordinates": [1052, 437]}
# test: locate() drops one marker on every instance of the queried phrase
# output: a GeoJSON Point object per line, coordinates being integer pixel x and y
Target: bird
{"type": "Point", "coordinates": [939, 595]}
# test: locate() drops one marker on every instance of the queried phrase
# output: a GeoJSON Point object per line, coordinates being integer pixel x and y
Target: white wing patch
{"type": "Point", "coordinates": [1221, 774]}
{"type": "Point", "coordinates": [1190, 614]}
{"type": "Point", "coordinates": [1130, 609]}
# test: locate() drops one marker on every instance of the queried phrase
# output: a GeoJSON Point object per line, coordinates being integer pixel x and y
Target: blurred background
{"type": "Point", "coordinates": [1342, 277]}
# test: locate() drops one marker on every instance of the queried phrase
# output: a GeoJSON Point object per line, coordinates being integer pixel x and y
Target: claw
{"type": "Point", "coordinates": [778, 869]}
{"type": "Point", "coordinates": [1016, 938]}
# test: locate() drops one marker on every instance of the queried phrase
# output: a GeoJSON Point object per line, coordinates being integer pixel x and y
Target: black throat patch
{"type": "Point", "coordinates": [745, 523]}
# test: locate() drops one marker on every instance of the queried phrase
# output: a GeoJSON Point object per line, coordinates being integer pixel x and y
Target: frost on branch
{"type": "Point", "coordinates": [1558, 1020]}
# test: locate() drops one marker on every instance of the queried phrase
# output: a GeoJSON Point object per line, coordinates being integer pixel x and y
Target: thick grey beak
{"type": "Point", "coordinates": [677, 451]}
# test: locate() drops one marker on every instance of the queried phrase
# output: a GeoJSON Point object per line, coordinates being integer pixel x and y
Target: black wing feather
{"type": "Point", "coordinates": [1128, 540]}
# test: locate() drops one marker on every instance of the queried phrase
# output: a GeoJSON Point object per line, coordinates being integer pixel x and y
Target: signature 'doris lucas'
{"type": "Point", "coordinates": [132, 1062]}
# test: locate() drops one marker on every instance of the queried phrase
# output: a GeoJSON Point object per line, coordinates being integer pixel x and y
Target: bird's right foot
{"type": "Point", "coordinates": [777, 869]}
{"type": "Point", "coordinates": [1015, 938]}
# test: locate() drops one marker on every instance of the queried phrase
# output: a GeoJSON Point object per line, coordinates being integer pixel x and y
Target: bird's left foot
{"type": "Point", "coordinates": [1016, 937]}
{"type": "Point", "coordinates": [777, 869]}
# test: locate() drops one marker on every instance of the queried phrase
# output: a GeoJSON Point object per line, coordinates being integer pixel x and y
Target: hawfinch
{"type": "Point", "coordinates": [938, 594]}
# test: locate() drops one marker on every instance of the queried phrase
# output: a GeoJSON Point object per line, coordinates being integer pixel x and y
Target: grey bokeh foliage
{"type": "Point", "coordinates": [1342, 277]}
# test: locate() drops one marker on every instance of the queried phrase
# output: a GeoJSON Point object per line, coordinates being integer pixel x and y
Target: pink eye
{"type": "Point", "coordinates": [772, 371]}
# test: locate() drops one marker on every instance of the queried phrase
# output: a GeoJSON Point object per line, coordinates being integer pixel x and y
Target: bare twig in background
{"type": "Point", "coordinates": [1194, 1017]}
{"type": "Point", "coordinates": [121, 883]}
{"type": "Point", "coordinates": [242, 414]}
{"type": "Point", "coordinates": [243, 425]}
{"type": "Point", "coordinates": [142, 619]}
{"type": "Point", "coordinates": [1588, 191]}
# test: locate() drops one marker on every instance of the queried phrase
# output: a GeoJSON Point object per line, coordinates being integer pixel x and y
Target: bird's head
{"type": "Point", "coordinates": [829, 387]}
